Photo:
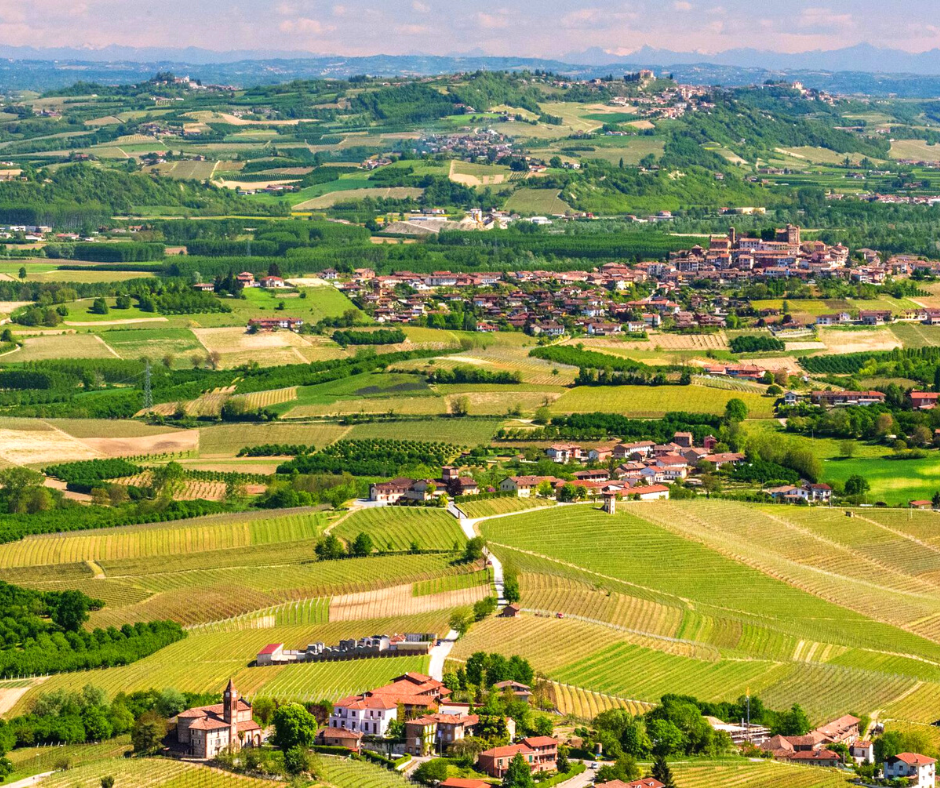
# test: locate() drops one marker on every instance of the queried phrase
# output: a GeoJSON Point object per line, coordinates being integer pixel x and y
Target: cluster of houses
{"type": "Point", "coordinates": [406, 645]}
{"type": "Point", "coordinates": [247, 279]}
{"type": "Point", "coordinates": [813, 750]}
{"type": "Point", "coordinates": [432, 724]}
{"type": "Point", "coordinates": [539, 301]}
{"type": "Point", "coordinates": [406, 490]}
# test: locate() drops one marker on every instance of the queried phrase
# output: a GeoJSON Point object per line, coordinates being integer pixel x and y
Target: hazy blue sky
{"type": "Point", "coordinates": [509, 27]}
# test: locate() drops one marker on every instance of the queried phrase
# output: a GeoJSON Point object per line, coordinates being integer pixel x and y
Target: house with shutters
{"type": "Point", "coordinates": [918, 770]}
{"type": "Point", "coordinates": [540, 752]}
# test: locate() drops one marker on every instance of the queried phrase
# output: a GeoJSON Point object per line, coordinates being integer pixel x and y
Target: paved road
{"type": "Point", "coordinates": [439, 655]}
{"type": "Point", "coordinates": [469, 528]}
{"type": "Point", "coordinates": [579, 780]}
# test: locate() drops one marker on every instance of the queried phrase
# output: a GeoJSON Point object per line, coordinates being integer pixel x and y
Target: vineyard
{"type": "Point", "coordinates": [149, 773]}
{"type": "Point", "coordinates": [200, 535]}
{"type": "Point", "coordinates": [204, 662]}
{"type": "Point", "coordinates": [371, 457]}
{"type": "Point", "coordinates": [756, 774]}
{"type": "Point", "coordinates": [452, 583]}
{"type": "Point", "coordinates": [205, 596]}
{"type": "Point", "coordinates": [400, 600]}
{"type": "Point", "coordinates": [312, 682]}
{"type": "Point", "coordinates": [399, 528]}
{"type": "Point", "coordinates": [344, 773]}
{"type": "Point", "coordinates": [655, 401]}
{"type": "Point", "coordinates": [225, 440]}
{"type": "Point", "coordinates": [506, 505]}
{"type": "Point", "coordinates": [585, 705]}
{"type": "Point", "coordinates": [265, 399]}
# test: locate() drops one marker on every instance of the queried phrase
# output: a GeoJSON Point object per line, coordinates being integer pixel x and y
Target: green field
{"type": "Point", "coordinates": [742, 589]}
{"type": "Point", "coordinates": [654, 401]}
{"type": "Point", "coordinates": [154, 343]}
{"type": "Point", "coordinates": [537, 201]}
{"type": "Point", "coordinates": [631, 150]}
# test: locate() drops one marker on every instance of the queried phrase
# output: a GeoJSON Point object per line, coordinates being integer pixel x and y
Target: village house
{"type": "Point", "coordinates": [923, 400]}
{"type": "Point", "coordinates": [863, 751]}
{"type": "Point", "coordinates": [275, 323]}
{"type": "Point", "coordinates": [540, 752]}
{"type": "Point", "coordinates": [340, 737]}
{"type": "Point", "coordinates": [368, 715]}
{"type": "Point", "coordinates": [206, 731]}
{"type": "Point", "coordinates": [564, 453]}
{"type": "Point", "coordinates": [644, 782]}
{"type": "Point", "coordinates": [437, 732]}
{"type": "Point", "coordinates": [525, 486]}
{"type": "Point", "coordinates": [835, 399]}
{"type": "Point", "coordinates": [918, 770]}
{"type": "Point", "coordinates": [463, 782]}
{"type": "Point", "coordinates": [811, 493]}
{"type": "Point", "coordinates": [521, 691]}
{"type": "Point", "coordinates": [272, 282]}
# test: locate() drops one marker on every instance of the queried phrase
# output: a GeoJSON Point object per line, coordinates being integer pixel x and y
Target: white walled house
{"type": "Point", "coordinates": [918, 769]}
{"type": "Point", "coordinates": [370, 715]}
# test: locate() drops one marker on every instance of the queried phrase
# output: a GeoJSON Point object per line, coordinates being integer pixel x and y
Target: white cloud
{"type": "Point", "coordinates": [824, 18]}
{"type": "Point", "coordinates": [497, 21]}
{"type": "Point", "coordinates": [584, 18]}
{"type": "Point", "coordinates": [682, 5]}
{"type": "Point", "coordinates": [421, 8]}
{"type": "Point", "coordinates": [304, 26]}
{"type": "Point", "coordinates": [339, 10]}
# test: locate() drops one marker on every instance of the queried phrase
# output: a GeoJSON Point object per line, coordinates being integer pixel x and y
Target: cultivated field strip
{"type": "Point", "coordinates": [493, 506]}
{"type": "Point", "coordinates": [756, 774]}
{"type": "Point", "coordinates": [149, 773]}
{"type": "Point", "coordinates": [586, 705]}
{"type": "Point", "coordinates": [335, 680]}
{"type": "Point", "coordinates": [793, 553]}
{"type": "Point", "coordinates": [344, 773]}
{"type": "Point", "coordinates": [203, 596]}
{"type": "Point", "coordinates": [399, 528]}
{"type": "Point", "coordinates": [400, 600]}
{"type": "Point", "coordinates": [204, 662]}
{"type": "Point", "coordinates": [188, 537]}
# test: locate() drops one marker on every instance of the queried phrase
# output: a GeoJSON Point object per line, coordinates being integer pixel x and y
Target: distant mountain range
{"type": "Point", "coordinates": [851, 71]}
{"type": "Point", "coordinates": [863, 58]}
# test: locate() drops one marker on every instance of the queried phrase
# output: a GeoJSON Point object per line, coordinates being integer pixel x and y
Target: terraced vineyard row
{"type": "Point", "coordinates": [452, 583]}
{"type": "Point", "coordinates": [149, 773]}
{"type": "Point", "coordinates": [195, 536]}
{"type": "Point", "coordinates": [344, 773]}
{"type": "Point", "coordinates": [488, 508]}
{"type": "Point", "coordinates": [204, 661]}
{"type": "Point", "coordinates": [204, 596]}
{"type": "Point", "coordinates": [399, 528]}
{"type": "Point", "coordinates": [334, 680]}
{"type": "Point", "coordinates": [586, 705]}
{"type": "Point", "coordinates": [400, 600]}
{"type": "Point", "coordinates": [764, 774]}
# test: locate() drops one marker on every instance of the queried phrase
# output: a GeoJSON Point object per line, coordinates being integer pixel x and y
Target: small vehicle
{"type": "Point", "coordinates": [559, 615]}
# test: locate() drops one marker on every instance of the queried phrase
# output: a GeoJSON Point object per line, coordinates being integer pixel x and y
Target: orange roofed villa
{"type": "Point", "coordinates": [208, 730]}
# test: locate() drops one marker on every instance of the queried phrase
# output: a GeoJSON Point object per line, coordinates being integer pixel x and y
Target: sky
{"type": "Point", "coordinates": [539, 28]}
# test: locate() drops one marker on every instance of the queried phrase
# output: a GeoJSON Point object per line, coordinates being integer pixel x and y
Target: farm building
{"type": "Point", "coordinates": [275, 323]}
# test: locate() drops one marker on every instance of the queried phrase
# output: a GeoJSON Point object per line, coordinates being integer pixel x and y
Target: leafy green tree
{"type": "Point", "coordinates": [362, 546]}
{"type": "Point", "coordinates": [474, 550]}
{"type": "Point", "coordinates": [735, 410]}
{"type": "Point", "coordinates": [99, 307]}
{"type": "Point", "coordinates": [666, 738]}
{"type": "Point", "coordinates": [107, 782]}
{"type": "Point", "coordinates": [299, 760]}
{"type": "Point", "coordinates": [519, 774]}
{"type": "Point", "coordinates": [70, 610]}
{"type": "Point", "coordinates": [148, 733]}
{"type": "Point", "coordinates": [263, 711]}
{"type": "Point", "coordinates": [663, 773]}
{"type": "Point", "coordinates": [294, 726]}
{"type": "Point", "coordinates": [329, 548]}
{"type": "Point", "coordinates": [460, 622]}
{"type": "Point", "coordinates": [431, 772]}
{"type": "Point", "coordinates": [856, 485]}
{"type": "Point", "coordinates": [625, 769]}
{"type": "Point", "coordinates": [793, 722]}
{"type": "Point", "coordinates": [170, 703]}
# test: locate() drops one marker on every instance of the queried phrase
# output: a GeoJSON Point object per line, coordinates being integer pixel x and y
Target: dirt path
{"type": "Point", "coordinates": [111, 350]}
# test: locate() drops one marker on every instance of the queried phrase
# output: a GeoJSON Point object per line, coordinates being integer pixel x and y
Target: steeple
{"type": "Point", "coordinates": [230, 703]}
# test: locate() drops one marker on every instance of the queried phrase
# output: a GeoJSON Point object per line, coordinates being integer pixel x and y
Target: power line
{"type": "Point", "coordinates": [148, 393]}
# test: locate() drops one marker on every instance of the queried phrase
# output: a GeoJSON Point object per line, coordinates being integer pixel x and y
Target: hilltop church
{"type": "Point", "coordinates": [209, 730]}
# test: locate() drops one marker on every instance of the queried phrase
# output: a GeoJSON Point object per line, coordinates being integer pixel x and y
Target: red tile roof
{"type": "Point", "coordinates": [913, 759]}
